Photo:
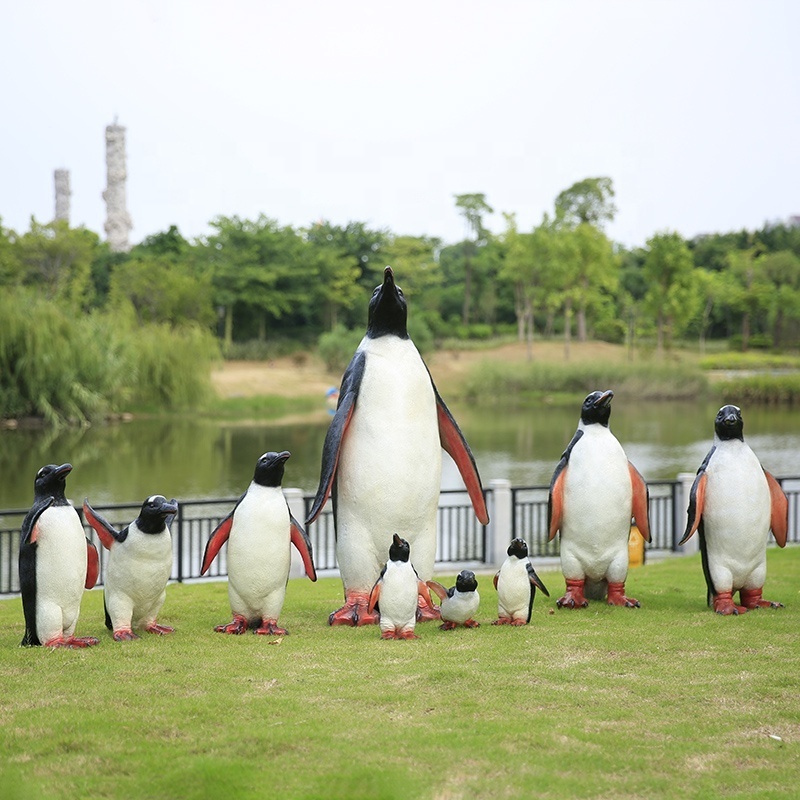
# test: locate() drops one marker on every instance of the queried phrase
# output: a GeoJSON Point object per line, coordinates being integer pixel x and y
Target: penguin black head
{"type": "Point", "coordinates": [729, 423]}
{"type": "Point", "coordinates": [269, 468]}
{"type": "Point", "coordinates": [518, 548]}
{"type": "Point", "coordinates": [399, 550]}
{"type": "Point", "coordinates": [388, 312]}
{"type": "Point", "coordinates": [466, 581]}
{"type": "Point", "coordinates": [154, 513]}
{"type": "Point", "coordinates": [597, 408]}
{"type": "Point", "coordinates": [51, 480]}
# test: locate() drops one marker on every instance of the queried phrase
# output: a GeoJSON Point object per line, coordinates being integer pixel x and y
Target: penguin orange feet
{"type": "Point", "coordinates": [503, 621]}
{"type": "Point", "coordinates": [236, 626]}
{"type": "Point", "coordinates": [269, 627]}
{"type": "Point", "coordinates": [161, 630]}
{"type": "Point", "coordinates": [751, 598]}
{"type": "Point", "coordinates": [426, 610]}
{"type": "Point", "coordinates": [723, 604]}
{"type": "Point", "coordinates": [574, 597]}
{"type": "Point", "coordinates": [616, 596]}
{"type": "Point", "coordinates": [124, 635]}
{"type": "Point", "coordinates": [448, 626]}
{"type": "Point", "coordinates": [470, 623]}
{"type": "Point", "coordinates": [72, 641]}
{"type": "Point", "coordinates": [355, 611]}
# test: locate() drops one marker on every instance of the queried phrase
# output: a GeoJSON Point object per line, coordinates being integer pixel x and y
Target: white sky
{"type": "Point", "coordinates": [381, 112]}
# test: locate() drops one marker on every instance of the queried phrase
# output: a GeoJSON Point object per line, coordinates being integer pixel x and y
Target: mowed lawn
{"type": "Point", "coordinates": [669, 700]}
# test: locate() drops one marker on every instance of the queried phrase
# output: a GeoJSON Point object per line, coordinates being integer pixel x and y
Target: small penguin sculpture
{"type": "Point", "coordinates": [594, 493]}
{"type": "Point", "coordinates": [516, 582]}
{"type": "Point", "coordinates": [396, 592]}
{"type": "Point", "coordinates": [259, 532]}
{"type": "Point", "coordinates": [459, 603]}
{"type": "Point", "coordinates": [56, 563]}
{"type": "Point", "coordinates": [138, 568]}
{"type": "Point", "coordinates": [733, 504]}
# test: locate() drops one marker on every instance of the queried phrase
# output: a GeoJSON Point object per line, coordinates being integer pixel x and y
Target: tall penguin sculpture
{"type": "Point", "coordinates": [734, 503]}
{"type": "Point", "coordinates": [594, 493]}
{"type": "Point", "coordinates": [382, 460]}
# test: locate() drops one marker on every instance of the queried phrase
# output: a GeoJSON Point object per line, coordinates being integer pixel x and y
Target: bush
{"type": "Point", "coordinates": [336, 347]}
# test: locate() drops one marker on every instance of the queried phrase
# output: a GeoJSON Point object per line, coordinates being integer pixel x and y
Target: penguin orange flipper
{"type": "Point", "coordinates": [92, 565]}
{"type": "Point", "coordinates": [641, 502]}
{"type": "Point", "coordinates": [302, 543]}
{"type": "Point", "coordinates": [555, 506]}
{"type": "Point", "coordinates": [779, 514]}
{"type": "Point", "coordinates": [216, 540]}
{"type": "Point", "coordinates": [697, 501]}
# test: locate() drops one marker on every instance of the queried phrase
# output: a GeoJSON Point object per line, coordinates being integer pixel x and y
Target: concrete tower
{"type": "Point", "coordinates": [61, 177]}
{"type": "Point", "coordinates": [118, 221]}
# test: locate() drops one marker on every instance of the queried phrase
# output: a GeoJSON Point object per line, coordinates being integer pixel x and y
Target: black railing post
{"type": "Point", "coordinates": [179, 518]}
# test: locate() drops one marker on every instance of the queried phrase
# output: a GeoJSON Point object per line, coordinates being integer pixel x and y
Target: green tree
{"type": "Point", "coordinates": [782, 269]}
{"type": "Point", "coordinates": [668, 269]}
{"type": "Point", "coordinates": [10, 266]}
{"type": "Point", "coordinates": [587, 201]}
{"type": "Point", "coordinates": [473, 207]}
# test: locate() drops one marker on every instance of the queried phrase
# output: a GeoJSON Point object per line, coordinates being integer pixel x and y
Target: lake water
{"type": "Point", "coordinates": [193, 459]}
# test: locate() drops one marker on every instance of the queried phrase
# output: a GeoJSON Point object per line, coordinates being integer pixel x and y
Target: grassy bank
{"type": "Point", "coordinates": [664, 701]}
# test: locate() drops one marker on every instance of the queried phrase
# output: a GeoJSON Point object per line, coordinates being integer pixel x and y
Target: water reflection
{"type": "Point", "coordinates": [190, 458]}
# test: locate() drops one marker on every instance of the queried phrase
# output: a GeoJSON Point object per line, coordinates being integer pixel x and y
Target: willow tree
{"type": "Point", "coordinates": [473, 207]}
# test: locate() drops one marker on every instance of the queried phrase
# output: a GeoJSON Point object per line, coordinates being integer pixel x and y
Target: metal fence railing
{"type": "Point", "coordinates": [460, 537]}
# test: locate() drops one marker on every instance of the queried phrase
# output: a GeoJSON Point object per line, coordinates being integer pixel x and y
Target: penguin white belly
{"type": "Point", "coordinates": [136, 576]}
{"type": "Point", "coordinates": [597, 509]}
{"type": "Point", "coordinates": [460, 607]}
{"type": "Point", "coordinates": [60, 572]}
{"type": "Point", "coordinates": [258, 554]}
{"type": "Point", "coordinates": [736, 517]}
{"type": "Point", "coordinates": [390, 467]}
{"type": "Point", "coordinates": [513, 589]}
{"type": "Point", "coordinates": [398, 599]}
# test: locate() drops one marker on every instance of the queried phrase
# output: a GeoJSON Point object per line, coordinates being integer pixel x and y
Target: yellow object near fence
{"type": "Point", "coordinates": [635, 548]}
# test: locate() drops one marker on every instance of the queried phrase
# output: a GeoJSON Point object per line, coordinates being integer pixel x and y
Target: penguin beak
{"type": "Point", "coordinates": [283, 457]}
{"type": "Point", "coordinates": [388, 277]}
{"type": "Point", "coordinates": [397, 540]}
{"type": "Point", "coordinates": [604, 399]}
{"type": "Point", "coordinates": [170, 507]}
{"type": "Point", "coordinates": [63, 470]}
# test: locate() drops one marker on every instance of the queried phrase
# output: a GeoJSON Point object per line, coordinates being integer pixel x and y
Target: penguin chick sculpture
{"type": "Point", "coordinates": [56, 563]}
{"type": "Point", "coordinates": [734, 502]}
{"type": "Point", "coordinates": [516, 583]}
{"type": "Point", "coordinates": [138, 568]}
{"type": "Point", "coordinates": [459, 603]}
{"type": "Point", "coordinates": [259, 532]}
{"type": "Point", "coordinates": [395, 593]}
{"type": "Point", "coordinates": [382, 457]}
{"type": "Point", "coordinates": [594, 493]}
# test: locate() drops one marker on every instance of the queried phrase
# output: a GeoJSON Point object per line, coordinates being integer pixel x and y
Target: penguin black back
{"type": "Point", "coordinates": [388, 311]}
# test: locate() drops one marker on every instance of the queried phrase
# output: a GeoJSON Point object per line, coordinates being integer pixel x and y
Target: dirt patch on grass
{"type": "Point", "coordinates": [306, 375]}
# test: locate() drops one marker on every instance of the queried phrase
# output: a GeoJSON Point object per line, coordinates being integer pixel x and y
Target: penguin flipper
{"type": "Point", "coordinates": [456, 446]}
{"type": "Point", "coordinates": [374, 596]}
{"type": "Point", "coordinates": [496, 576]}
{"type": "Point", "coordinates": [218, 538]}
{"type": "Point", "coordinates": [779, 514]}
{"type": "Point", "coordinates": [92, 565]}
{"type": "Point", "coordinates": [348, 395]}
{"type": "Point", "coordinates": [303, 545]}
{"type": "Point", "coordinates": [437, 588]}
{"type": "Point", "coordinates": [697, 499]}
{"type": "Point", "coordinates": [535, 580]}
{"type": "Point", "coordinates": [555, 500]}
{"type": "Point", "coordinates": [641, 502]}
{"type": "Point", "coordinates": [104, 530]}
{"type": "Point", "coordinates": [29, 532]}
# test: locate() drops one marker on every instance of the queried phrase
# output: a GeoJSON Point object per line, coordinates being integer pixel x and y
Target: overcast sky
{"type": "Point", "coordinates": [381, 112]}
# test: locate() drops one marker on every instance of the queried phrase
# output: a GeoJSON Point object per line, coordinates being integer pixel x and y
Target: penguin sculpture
{"type": "Point", "coordinates": [381, 459]}
{"type": "Point", "coordinates": [138, 568]}
{"type": "Point", "coordinates": [395, 593]}
{"type": "Point", "coordinates": [516, 583]}
{"type": "Point", "coordinates": [734, 502]}
{"type": "Point", "coordinates": [594, 493]}
{"type": "Point", "coordinates": [259, 532]}
{"type": "Point", "coordinates": [56, 563]}
{"type": "Point", "coordinates": [459, 603]}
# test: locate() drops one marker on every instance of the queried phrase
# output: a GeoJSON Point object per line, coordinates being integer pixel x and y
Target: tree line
{"type": "Point", "coordinates": [259, 280]}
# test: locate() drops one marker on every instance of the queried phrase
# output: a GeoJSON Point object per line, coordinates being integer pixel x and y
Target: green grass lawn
{"type": "Point", "coordinates": [669, 700]}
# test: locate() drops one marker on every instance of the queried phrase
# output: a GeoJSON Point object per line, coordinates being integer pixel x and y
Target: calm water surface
{"type": "Point", "coordinates": [192, 459]}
